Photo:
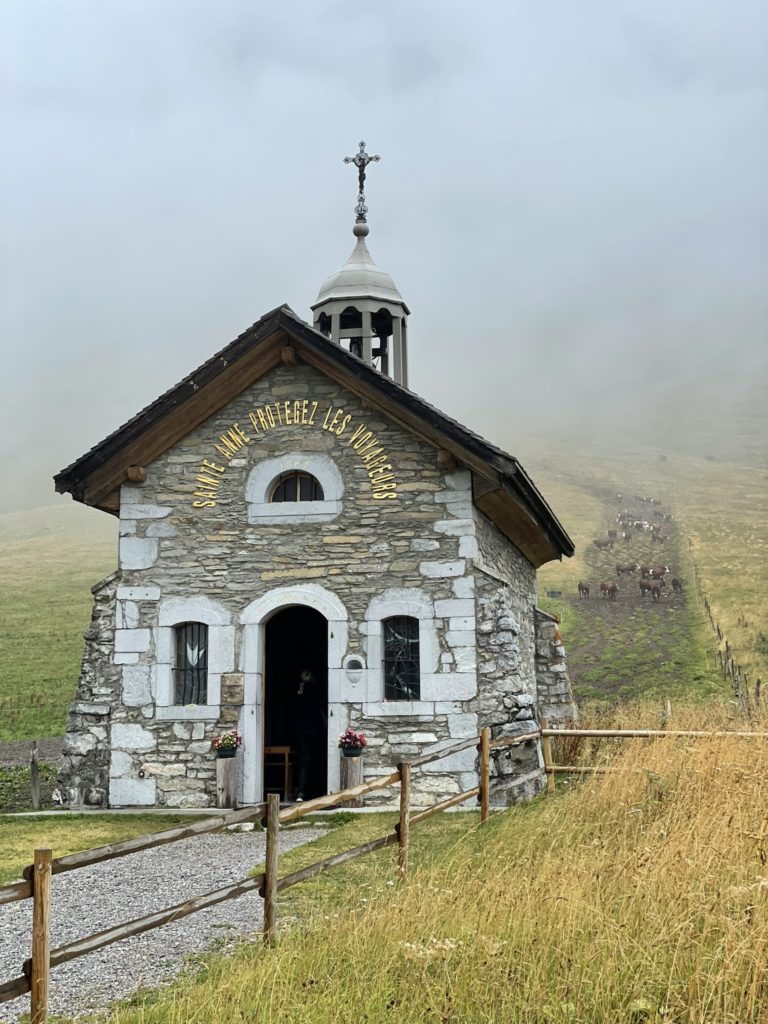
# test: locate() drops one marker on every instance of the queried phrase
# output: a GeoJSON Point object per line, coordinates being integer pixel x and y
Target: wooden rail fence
{"type": "Point", "coordinates": [36, 878]}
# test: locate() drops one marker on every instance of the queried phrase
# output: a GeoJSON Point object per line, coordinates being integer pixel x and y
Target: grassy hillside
{"type": "Point", "coordinates": [720, 520]}
{"type": "Point", "coordinates": [725, 512]}
{"type": "Point", "coordinates": [49, 560]}
{"type": "Point", "coordinates": [659, 912]}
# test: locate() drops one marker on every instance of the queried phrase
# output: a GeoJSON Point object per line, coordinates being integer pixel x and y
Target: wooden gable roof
{"type": "Point", "coordinates": [502, 489]}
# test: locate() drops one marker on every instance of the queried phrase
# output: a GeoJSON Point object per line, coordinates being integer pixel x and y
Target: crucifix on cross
{"type": "Point", "coordinates": [361, 159]}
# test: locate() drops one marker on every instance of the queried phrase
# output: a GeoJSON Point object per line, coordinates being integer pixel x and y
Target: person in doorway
{"type": "Point", "coordinates": [308, 726]}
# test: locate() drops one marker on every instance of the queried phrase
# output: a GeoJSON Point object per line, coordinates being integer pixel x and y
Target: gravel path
{"type": "Point", "coordinates": [97, 897]}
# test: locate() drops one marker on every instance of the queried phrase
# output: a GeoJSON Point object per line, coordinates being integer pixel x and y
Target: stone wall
{"type": "Point", "coordinates": [555, 698]}
{"type": "Point", "coordinates": [84, 776]}
{"type": "Point", "coordinates": [506, 701]}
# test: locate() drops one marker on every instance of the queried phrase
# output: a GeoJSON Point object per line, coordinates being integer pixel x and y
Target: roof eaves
{"type": "Point", "coordinates": [175, 395]}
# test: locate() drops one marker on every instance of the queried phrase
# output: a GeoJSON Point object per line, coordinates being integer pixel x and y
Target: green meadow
{"type": "Point", "coordinates": [49, 560]}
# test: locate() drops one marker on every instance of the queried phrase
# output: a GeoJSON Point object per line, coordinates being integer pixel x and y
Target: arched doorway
{"type": "Point", "coordinates": [296, 703]}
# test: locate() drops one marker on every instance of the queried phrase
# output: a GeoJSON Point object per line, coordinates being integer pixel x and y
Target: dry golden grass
{"type": "Point", "coordinates": [640, 896]}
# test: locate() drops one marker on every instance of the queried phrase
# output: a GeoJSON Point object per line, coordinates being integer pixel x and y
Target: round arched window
{"type": "Point", "coordinates": [297, 486]}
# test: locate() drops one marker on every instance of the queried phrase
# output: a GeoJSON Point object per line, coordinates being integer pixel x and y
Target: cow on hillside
{"type": "Point", "coordinates": [677, 585]}
{"type": "Point", "coordinates": [609, 590]}
{"type": "Point", "coordinates": [603, 544]}
{"type": "Point", "coordinates": [584, 591]}
{"type": "Point", "coordinates": [626, 568]}
{"type": "Point", "coordinates": [652, 587]}
{"type": "Point", "coordinates": [653, 572]}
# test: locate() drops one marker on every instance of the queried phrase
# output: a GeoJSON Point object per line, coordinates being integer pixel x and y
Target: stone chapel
{"type": "Point", "coordinates": [292, 506]}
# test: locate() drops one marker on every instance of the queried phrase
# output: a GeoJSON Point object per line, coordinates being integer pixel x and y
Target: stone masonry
{"type": "Point", "coordinates": [487, 657]}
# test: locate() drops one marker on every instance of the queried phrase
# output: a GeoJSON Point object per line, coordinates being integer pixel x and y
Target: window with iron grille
{"type": "Point", "coordinates": [190, 674]}
{"type": "Point", "coordinates": [297, 486]}
{"type": "Point", "coordinates": [401, 658]}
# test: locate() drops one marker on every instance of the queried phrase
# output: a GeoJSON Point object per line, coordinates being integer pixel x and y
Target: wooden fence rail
{"type": "Point", "coordinates": [172, 835]}
{"type": "Point", "coordinates": [552, 769]}
{"type": "Point", "coordinates": [649, 733]}
{"type": "Point", "coordinates": [90, 943]}
{"type": "Point", "coordinates": [15, 891]}
{"type": "Point", "coordinates": [268, 884]}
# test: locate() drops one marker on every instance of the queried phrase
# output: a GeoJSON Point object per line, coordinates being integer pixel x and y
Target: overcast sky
{"type": "Point", "coordinates": [572, 200]}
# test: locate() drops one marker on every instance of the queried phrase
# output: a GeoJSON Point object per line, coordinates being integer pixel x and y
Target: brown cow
{"type": "Point", "coordinates": [611, 534]}
{"type": "Point", "coordinates": [677, 585]}
{"type": "Point", "coordinates": [603, 545]}
{"type": "Point", "coordinates": [626, 568]}
{"type": "Point", "coordinates": [584, 591]}
{"type": "Point", "coordinates": [627, 535]}
{"type": "Point", "coordinates": [608, 590]}
{"type": "Point", "coordinates": [652, 587]}
{"type": "Point", "coordinates": [658, 538]}
{"type": "Point", "coordinates": [654, 572]}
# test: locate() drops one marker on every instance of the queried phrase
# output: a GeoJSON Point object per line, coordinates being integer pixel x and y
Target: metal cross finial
{"type": "Point", "coordinates": [361, 160]}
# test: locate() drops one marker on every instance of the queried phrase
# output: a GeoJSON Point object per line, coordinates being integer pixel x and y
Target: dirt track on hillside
{"type": "Point", "coordinates": [16, 754]}
{"type": "Point", "coordinates": [632, 645]}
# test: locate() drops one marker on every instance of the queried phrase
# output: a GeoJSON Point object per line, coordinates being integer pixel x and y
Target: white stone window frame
{"type": "Point", "coordinates": [416, 604]}
{"type": "Point", "coordinates": [173, 612]}
{"type": "Point", "coordinates": [263, 477]}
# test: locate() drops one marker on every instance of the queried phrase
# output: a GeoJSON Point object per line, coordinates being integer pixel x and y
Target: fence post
{"type": "Point", "coordinates": [34, 778]}
{"type": "Point", "coordinates": [270, 866]}
{"type": "Point", "coordinates": [403, 826]}
{"type": "Point", "coordinates": [41, 936]}
{"type": "Point", "coordinates": [485, 773]}
{"type": "Point", "coordinates": [546, 750]}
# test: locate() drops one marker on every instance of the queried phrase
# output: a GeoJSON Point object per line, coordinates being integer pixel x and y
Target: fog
{"type": "Point", "coordinates": [571, 198]}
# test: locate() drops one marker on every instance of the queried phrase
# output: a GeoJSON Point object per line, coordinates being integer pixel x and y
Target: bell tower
{"type": "Point", "coordinates": [359, 307]}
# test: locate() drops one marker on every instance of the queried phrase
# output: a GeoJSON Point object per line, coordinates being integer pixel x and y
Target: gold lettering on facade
{"type": "Point", "coordinates": [336, 417]}
{"type": "Point", "coordinates": [296, 413]}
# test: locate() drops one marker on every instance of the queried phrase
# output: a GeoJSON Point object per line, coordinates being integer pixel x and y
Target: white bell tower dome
{"type": "Point", "coordinates": [359, 307]}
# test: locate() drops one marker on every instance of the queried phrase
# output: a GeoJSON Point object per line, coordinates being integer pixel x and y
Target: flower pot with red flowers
{"type": "Point", "coordinates": [351, 743]}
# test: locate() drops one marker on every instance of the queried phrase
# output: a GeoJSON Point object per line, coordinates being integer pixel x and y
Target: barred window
{"type": "Point", "coordinates": [190, 674]}
{"type": "Point", "coordinates": [296, 486]}
{"type": "Point", "coordinates": [401, 658]}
